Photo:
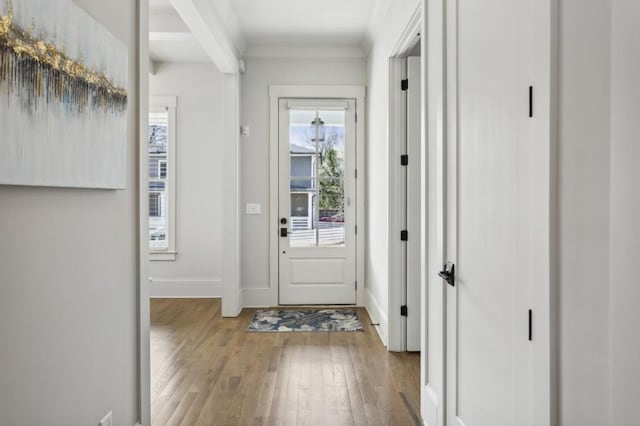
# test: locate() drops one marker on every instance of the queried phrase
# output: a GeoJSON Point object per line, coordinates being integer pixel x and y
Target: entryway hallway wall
{"type": "Point", "coordinates": [260, 74]}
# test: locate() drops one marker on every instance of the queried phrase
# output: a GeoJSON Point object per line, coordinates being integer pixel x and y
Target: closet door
{"type": "Point", "coordinates": [495, 228]}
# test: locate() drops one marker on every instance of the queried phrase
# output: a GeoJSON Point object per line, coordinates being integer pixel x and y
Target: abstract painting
{"type": "Point", "coordinates": [63, 97]}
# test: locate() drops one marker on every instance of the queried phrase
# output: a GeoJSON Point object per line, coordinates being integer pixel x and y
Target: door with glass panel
{"type": "Point", "coordinates": [317, 202]}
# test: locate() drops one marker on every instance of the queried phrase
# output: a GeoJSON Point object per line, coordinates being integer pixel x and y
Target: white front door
{"type": "Point", "coordinates": [317, 202]}
{"type": "Point", "coordinates": [496, 218]}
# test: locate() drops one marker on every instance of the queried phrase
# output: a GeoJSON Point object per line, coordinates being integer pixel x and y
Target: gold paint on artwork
{"type": "Point", "coordinates": [44, 67]}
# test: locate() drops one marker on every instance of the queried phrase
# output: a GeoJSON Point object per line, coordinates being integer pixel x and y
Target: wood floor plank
{"type": "Point", "coordinates": [208, 370]}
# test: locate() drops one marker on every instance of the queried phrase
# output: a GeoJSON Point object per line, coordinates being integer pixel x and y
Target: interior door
{"type": "Point", "coordinates": [317, 202]}
{"type": "Point", "coordinates": [492, 219]}
{"type": "Point", "coordinates": [414, 225]}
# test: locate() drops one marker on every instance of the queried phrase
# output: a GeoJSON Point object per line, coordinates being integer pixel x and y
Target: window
{"type": "Point", "coordinates": [162, 169]}
{"type": "Point", "coordinates": [155, 204]}
{"type": "Point", "coordinates": [162, 172]}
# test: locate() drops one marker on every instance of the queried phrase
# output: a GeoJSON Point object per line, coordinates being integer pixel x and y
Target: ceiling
{"type": "Point", "coordinates": [265, 27]}
{"type": "Point", "coordinates": [303, 22]}
{"type": "Point", "coordinates": [170, 40]}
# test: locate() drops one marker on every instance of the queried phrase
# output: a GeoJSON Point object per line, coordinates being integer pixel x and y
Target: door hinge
{"type": "Point", "coordinates": [530, 325]}
{"type": "Point", "coordinates": [403, 310]}
{"type": "Point", "coordinates": [356, 229]}
{"type": "Point", "coordinates": [356, 117]}
{"type": "Point", "coordinates": [404, 160]}
{"type": "Point", "coordinates": [356, 285]}
{"type": "Point", "coordinates": [356, 173]}
{"type": "Point", "coordinates": [530, 101]}
{"type": "Point", "coordinates": [404, 84]}
{"type": "Point", "coordinates": [404, 235]}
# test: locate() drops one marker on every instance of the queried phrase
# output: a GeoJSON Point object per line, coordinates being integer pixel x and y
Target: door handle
{"type": "Point", "coordinates": [283, 232]}
{"type": "Point", "coordinates": [448, 273]}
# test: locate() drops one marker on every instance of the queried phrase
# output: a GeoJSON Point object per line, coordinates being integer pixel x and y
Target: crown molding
{"type": "Point", "coordinates": [276, 51]}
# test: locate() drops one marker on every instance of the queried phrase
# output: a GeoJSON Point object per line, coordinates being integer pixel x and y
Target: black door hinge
{"type": "Point", "coordinates": [530, 325]}
{"type": "Point", "coordinates": [404, 160]}
{"type": "Point", "coordinates": [404, 84]}
{"type": "Point", "coordinates": [403, 310]}
{"type": "Point", "coordinates": [530, 101]}
{"type": "Point", "coordinates": [404, 235]}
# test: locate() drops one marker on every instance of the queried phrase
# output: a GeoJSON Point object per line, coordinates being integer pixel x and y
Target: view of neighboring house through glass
{"type": "Point", "coordinates": [317, 151]}
{"type": "Point", "coordinates": [158, 183]}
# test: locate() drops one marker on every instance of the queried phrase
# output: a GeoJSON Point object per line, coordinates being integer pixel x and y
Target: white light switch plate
{"type": "Point", "coordinates": [254, 208]}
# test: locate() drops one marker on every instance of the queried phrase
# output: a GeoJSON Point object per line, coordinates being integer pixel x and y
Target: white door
{"type": "Point", "coordinates": [317, 202]}
{"type": "Point", "coordinates": [493, 219]}
{"type": "Point", "coordinates": [413, 220]}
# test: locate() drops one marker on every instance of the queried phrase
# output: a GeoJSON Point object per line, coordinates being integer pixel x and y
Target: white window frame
{"type": "Point", "coordinates": [157, 104]}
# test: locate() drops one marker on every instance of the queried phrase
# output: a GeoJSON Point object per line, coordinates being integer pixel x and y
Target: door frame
{"type": "Point", "coordinates": [277, 92]}
{"type": "Point", "coordinates": [397, 328]}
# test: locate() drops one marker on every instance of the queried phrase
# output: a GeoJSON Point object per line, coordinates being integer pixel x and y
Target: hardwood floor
{"type": "Point", "coordinates": [207, 370]}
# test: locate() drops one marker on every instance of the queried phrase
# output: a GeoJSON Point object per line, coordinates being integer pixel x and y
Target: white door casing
{"type": "Point", "coordinates": [269, 296]}
{"type": "Point", "coordinates": [317, 247]}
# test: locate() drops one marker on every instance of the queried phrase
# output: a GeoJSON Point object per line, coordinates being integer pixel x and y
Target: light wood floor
{"type": "Point", "coordinates": [207, 370]}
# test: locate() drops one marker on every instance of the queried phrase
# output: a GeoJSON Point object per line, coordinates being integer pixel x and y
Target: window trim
{"type": "Point", "coordinates": [169, 104]}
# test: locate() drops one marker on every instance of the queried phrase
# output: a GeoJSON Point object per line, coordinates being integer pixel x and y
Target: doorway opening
{"type": "Point", "coordinates": [316, 156]}
{"type": "Point", "coordinates": [406, 198]}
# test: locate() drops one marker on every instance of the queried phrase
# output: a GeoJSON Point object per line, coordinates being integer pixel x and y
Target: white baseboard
{"type": "Point", "coordinates": [185, 288]}
{"type": "Point", "coordinates": [429, 406]}
{"type": "Point", "coordinates": [377, 315]}
{"type": "Point", "coordinates": [257, 298]}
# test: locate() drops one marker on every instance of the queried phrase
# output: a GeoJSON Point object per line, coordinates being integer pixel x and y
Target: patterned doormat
{"type": "Point", "coordinates": [306, 320]}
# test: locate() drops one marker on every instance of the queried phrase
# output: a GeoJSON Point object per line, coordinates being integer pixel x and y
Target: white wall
{"type": "Point", "coordinates": [200, 180]}
{"type": "Point", "coordinates": [599, 211]}
{"type": "Point", "coordinates": [377, 208]}
{"type": "Point", "coordinates": [625, 212]}
{"type": "Point", "coordinates": [260, 73]}
{"type": "Point", "coordinates": [584, 104]}
{"type": "Point", "coordinates": [68, 286]}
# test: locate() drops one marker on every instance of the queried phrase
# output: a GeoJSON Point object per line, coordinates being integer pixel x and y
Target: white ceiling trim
{"type": "Point", "coordinates": [205, 24]}
{"type": "Point", "coordinates": [271, 51]}
{"type": "Point", "coordinates": [376, 19]}
{"type": "Point", "coordinates": [170, 36]}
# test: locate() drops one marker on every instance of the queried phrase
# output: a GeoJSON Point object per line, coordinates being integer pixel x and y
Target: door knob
{"type": "Point", "coordinates": [448, 273]}
{"type": "Point", "coordinates": [283, 221]}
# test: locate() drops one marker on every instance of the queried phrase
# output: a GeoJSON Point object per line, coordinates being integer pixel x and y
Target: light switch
{"type": "Point", "coordinates": [254, 208]}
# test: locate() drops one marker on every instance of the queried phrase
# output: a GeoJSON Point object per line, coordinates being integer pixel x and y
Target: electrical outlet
{"type": "Point", "coordinates": [254, 208]}
{"type": "Point", "coordinates": [107, 420]}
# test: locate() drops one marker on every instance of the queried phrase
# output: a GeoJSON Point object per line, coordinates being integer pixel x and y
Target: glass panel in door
{"type": "Point", "coordinates": [316, 178]}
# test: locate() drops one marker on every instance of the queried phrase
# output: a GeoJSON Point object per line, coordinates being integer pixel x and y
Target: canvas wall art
{"type": "Point", "coordinates": [63, 97]}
